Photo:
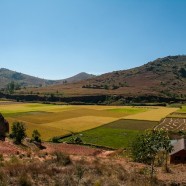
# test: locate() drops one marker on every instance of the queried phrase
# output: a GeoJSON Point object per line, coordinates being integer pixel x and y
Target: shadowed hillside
{"type": "Point", "coordinates": [162, 77]}
{"type": "Point", "coordinates": [6, 76]}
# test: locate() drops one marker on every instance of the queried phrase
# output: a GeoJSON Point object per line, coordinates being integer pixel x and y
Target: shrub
{"type": "Point", "coordinates": [62, 158]}
{"type": "Point", "coordinates": [18, 132]}
{"type": "Point", "coordinates": [1, 158]}
{"type": "Point", "coordinates": [36, 136]}
{"type": "Point", "coordinates": [24, 180]}
{"type": "Point", "coordinates": [3, 178]}
{"type": "Point", "coordinates": [80, 170]}
{"type": "Point", "coordinates": [56, 139]}
{"type": "Point", "coordinates": [76, 140]}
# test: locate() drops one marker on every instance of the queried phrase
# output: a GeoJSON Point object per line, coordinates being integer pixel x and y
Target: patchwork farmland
{"type": "Point", "coordinates": [111, 126]}
{"type": "Point", "coordinates": [59, 120]}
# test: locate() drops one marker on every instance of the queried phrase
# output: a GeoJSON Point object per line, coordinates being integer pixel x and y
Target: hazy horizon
{"type": "Point", "coordinates": [58, 39]}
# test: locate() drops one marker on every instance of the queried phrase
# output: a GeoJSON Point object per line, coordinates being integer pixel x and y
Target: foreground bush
{"type": "Point", "coordinates": [36, 136]}
{"type": "Point", "coordinates": [62, 158]}
{"type": "Point", "coordinates": [56, 139]}
{"type": "Point", "coordinates": [18, 132]}
{"type": "Point", "coordinates": [145, 147]}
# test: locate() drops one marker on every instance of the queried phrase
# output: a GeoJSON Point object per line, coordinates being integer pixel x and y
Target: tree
{"type": "Point", "coordinates": [183, 72]}
{"type": "Point", "coordinates": [18, 132]}
{"type": "Point", "coordinates": [168, 148]}
{"type": "Point", "coordinates": [146, 147]}
{"type": "Point", "coordinates": [106, 87]}
{"type": "Point", "coordinates": [10, 87]}
{"type": "Point", "coordinates": [36, 136]}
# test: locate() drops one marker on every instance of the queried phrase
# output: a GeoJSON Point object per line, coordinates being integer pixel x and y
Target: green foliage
{"type": "Point", "coordinates": [12, 86]}
{"type": "Point", "coordinates": [56, 139]}
{"type": "Point", "coordinates": [117, 134]}
{"type": "Point", "coordinates": [182, 71]}
{"type": "Point", "coordinates": [76, 140]}
{"type": "Point", "coordinates": [107, 137]}
{"type": "Point", "coordinates": [18, 132]}
{"type": "Point", "coordinates": [146, 147]}
{"type": "Point", "coordinates": [106, 87]}
{"type": "Point", "coordinates": [36, 136]}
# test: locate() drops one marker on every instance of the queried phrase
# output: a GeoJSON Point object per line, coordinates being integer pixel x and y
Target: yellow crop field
{"type": "Point", "coordinates": [81, 123]}
{"type": "Point", "coordinates": [58, 120]}
{"type": "Point", "coordinates": [152, 115]}
{"type": "Point", "coordinates": [46, 132]}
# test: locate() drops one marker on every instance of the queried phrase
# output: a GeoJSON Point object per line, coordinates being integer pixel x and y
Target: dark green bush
{"type": "Point", "coordinates": [18, 132]}
{"type": "Point", "coordinates": [62, 158]}
{"type": "Point", "coordinates": [56, 139]}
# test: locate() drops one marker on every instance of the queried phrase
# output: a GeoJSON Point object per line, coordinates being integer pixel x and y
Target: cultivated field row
{"type": "Point", "coordinates": [172, 124]}
{"type": "Point", "coordinates": [58, 120]}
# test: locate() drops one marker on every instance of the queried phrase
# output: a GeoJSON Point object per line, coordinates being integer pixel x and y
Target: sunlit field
{"type": "Point", "coordinates": [117, 134]}
{"type": "Point", "coordinates": [155, 114]}
{"type": "Point", "coordinates": [59, 120]}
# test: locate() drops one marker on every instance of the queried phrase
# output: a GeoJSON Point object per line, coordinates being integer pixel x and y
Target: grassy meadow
{"type": "Point", "coordinates": [117, 134]}
{"type": "Point", "coordinates": [59, 120]}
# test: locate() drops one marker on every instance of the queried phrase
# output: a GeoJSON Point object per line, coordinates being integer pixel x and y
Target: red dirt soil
{"type": "Point", "coordinates": [178, 172]}
{"type": "Point", "coordinates": [7, 148]}
{"type": "Point", "coordinates": [72, 149]}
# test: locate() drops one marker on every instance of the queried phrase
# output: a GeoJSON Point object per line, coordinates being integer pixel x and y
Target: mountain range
{"type": "Point", "coordinates": [7, 76]}
{"type": "Point", "coordinates": [162, 77]}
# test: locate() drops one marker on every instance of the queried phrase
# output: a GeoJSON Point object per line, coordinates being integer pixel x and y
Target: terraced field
{"type": "Point", "coordinates": [172, 124]}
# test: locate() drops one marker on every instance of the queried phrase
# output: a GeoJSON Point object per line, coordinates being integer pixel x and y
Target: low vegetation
{"type": "Point", "coordinates": [117, 134]}
{"type": "Point", "coordinates": [55, 120]}
{"type": "Point", "coordinates": [146, 147]}
{"type": "Point", "coordinates": [18, 132]}
{"type": "Point", "coordinates": [66, 171]}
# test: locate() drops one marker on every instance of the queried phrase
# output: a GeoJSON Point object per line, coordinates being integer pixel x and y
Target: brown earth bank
{"type": "Point", "coordinates": [64, 164]}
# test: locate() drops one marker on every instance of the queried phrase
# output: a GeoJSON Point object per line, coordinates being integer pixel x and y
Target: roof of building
{"type": "Point", "coordinates": [178, 146]}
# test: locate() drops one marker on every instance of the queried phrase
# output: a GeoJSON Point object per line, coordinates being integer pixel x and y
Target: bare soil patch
{"type": "Point", "coordinates": [72, 149]}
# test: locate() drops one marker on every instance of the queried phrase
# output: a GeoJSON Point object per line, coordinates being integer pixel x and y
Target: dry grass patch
{"type": "Point", "coordinates": [81, 123]}
{"type": "Point", "coordinates": [153, 115]}
{"type": "Point", "coordinates": [47, 132]}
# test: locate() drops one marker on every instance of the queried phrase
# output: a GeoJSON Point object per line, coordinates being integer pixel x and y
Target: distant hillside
{"type": "Point", "coordinates": [79, 77]}
{"type": "Point", "coordinates": [6, 76]}
{"type": "Point", "coordinates": [164, 76]}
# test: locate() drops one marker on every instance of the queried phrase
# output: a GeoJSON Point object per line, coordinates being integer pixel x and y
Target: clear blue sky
{"type": "Point", "coordinates": [55, 39]}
